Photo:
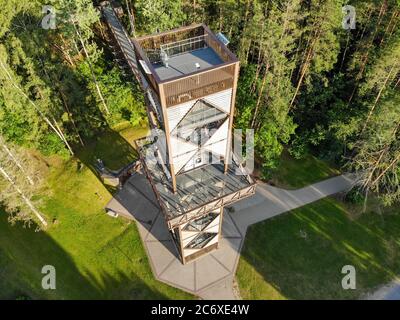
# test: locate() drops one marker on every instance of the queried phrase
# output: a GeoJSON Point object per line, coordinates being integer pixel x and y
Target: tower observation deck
{"type": "Point", "coordinates": [189, 80]}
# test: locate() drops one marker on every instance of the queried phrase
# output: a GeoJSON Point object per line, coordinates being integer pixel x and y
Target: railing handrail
{"type": "Point", "coordinates": [207, 33]}
{"type": "Point", "coordinates": [164, 33]}
{"type": "Point", "coordinates": [196, 73]}
{"type": "Point", "coordinates": [167, 46]}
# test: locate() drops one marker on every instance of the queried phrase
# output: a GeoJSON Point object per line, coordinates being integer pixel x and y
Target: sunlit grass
{"type": "Point", "coordinates": [300, 254]}
{"type": "Point", "coordinates": [292, 173]}
{"type": "Point", "coordinates": [95, 255]}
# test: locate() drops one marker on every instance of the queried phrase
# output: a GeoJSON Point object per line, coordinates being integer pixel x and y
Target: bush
{"type": "Point", "coordinates": [298, 148]}
{"type": "Point", "coordinates": [355, 196]}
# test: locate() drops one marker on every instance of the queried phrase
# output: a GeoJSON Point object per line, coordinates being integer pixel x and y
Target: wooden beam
{"type": "Point", "coordinates": [224, 47]}
{"type": "Point", "coordinates": [212, 205]}
{"type": "Point", "coordinates": [167, 137]}
{"type": "Point", "coordinates": [232, 111]}
{"type": "Point", "coordinates": [221, 215]}
{"type": "Point", "coordinates": [181, 244]}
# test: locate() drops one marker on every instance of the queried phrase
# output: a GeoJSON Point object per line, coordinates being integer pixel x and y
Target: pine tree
{"type": "Point", "coordinates": [20, 180]}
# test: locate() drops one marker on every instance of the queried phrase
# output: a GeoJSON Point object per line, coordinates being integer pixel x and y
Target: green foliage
{"type": "Point", "coordinates": [124, 99]}
{"type": "Point", "coordinates": [59, 70]}
{"type": "Point", "coordinates": [355, 196]}
{"type": "Point", "coordinates": [50, 144]}
{"type": "Point", "coordinates": [305, 84]}
{"type": "Point", "coordinates": [292, 173]}
{"type": "Point", "coordinates": [299, 148]}
{"type": "Point", "coordinates": [274, 129]}
{"type": "Point", "coordinates": [100, 258]}
{"type": "Point", "coordinates": [159, 15]}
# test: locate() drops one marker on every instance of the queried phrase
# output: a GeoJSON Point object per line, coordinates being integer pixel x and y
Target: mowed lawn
{"type": "Point", "coordinates": [95, 256]}
{"type": "Point", "coordinates": [298, 173]}
{"type": "Point", "coordinates": [300, 254]}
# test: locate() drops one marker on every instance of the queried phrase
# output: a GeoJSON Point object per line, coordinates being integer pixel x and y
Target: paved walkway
{"type": "Point", "coordinates": [211, 276]}
{"type": "Point", "coordinates": [390, 291]}
{"type": "Point", "coordinates": [270, 201]}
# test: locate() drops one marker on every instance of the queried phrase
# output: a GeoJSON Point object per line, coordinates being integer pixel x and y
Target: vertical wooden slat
{"type": "Point", "coordinates": [199, 85]}
{"type": "Point", "coordinates": [229, 143]}
{"type": "Point", "coordinates": [181, 243]}
{"type": "Point", "coordinates": [220, 225]}
{"type": "Point", "coordinates": [167, 136]}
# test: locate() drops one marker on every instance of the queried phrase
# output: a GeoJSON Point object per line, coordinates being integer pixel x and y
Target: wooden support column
{"type": "Point", "coordinates": [231, 114]}
{"type": "Point", "coordinates": [221, 215]}
{"type": "Point", "coordinates": [167, 136]}
{"type": "Point", "coordinates": [181, 244]}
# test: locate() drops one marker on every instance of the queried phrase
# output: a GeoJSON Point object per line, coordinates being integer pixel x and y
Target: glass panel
{"type": "Point", "coordinates": [199, 123]}
{"type": "Point", "coordinates": [175, 237]}
{"type": "Point", "coordinates": [200, 241]}
{"type": "Point", "coordinates": [201, 223]}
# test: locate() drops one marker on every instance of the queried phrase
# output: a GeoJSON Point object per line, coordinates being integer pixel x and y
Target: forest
{"type": "Point", "coordinates": [307, 84]}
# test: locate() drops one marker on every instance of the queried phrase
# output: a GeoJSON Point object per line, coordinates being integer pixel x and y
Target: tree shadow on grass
{"type": "Point", "coordinates": [300, 255]}
{"type": "Point", "coordinates": [110, 147]}
{"type": "Point", "coordinates": [23, 253]}
{"type": "Point", "coordinates": [70, 90]}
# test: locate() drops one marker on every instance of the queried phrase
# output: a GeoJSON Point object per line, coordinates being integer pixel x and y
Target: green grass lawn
{"type": "Point", "coordinates": [300, 254]}
{"type": "Point", "coordinates": [293, 174]}
{"type": "Point", "coordinates": [95, 255]}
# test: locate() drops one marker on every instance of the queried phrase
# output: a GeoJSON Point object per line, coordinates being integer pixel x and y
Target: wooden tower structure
{"type": "Point", "coordinates": [189, 79]}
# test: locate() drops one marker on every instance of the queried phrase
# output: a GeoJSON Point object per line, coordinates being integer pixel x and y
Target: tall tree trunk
{"type": "Point", "coordinates": [26, 200]}
{"type": "Point", "coordinates": [260, 95]}
{"type": "Point", "coordinates": [305, 66]}
{"type": "Point", "coordinates": [43, 116]}
{"type": "Point", "coordinates": [395, 161]}
{"type": "Point", "coordinates": [16, 161]}
{"type": "Point", "coordinates": [394, 26]}
{"type": "Point", "coordinates": [364, 59]}
{"type": "Point", "coordinates": [382, 153]}
{"type": "Point", "coordinates": [65, 52]}
{"type": "Point", "coordinates": [91, 68]}
{"type": "Point", "coordinates": [397, 83]}
{"type": "Point", "coordinates": [243, 40]}
{"type": "Point", "coordinates": [377, 99]}
{"type": "Point", "coordinates": [309, 43]}
{"type": "Point", "coordinates": [220, 18]}
{"type": "Point", "coordinates": [345, 51]}
{"type": "Point", "coordinates": [131, 17]}
{"type": "Point", "coordinates": [296, 58]}
{"type": "Point", "coordinates": [388, 26]}
{"type": "Point", "coordinates": [256, 76]}
{"type": "Point", "coordinates": [370, 10]}
{"type": "Point", "coordinates": [62, 135]}
{"type": "Point", "coordinates": [64, 99]}
{"type": "Point", "coordinates": [259, 64]}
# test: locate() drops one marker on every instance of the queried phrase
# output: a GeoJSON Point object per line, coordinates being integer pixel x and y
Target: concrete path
{"type": "Point", "coordinates": [210, 276]}
{"type": "Point", "coordinates": [390, 291]}
{"type": "Point", "coordinates": [270, 201]}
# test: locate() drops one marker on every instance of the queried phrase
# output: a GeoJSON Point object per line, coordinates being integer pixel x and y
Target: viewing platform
{"type": "Point", "coordinates": [199, 191]}
{"type": "Point", "coordinates": [186, 63]}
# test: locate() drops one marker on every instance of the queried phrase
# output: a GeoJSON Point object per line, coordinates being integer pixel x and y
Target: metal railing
{"type": "Point", "coordinates": [182, 46]}
{"type": "Point", "coordinates": [191, 86]}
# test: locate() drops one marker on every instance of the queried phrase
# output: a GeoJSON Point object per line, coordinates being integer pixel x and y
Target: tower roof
{"type": "Point", "coordinates": [181, 52]}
